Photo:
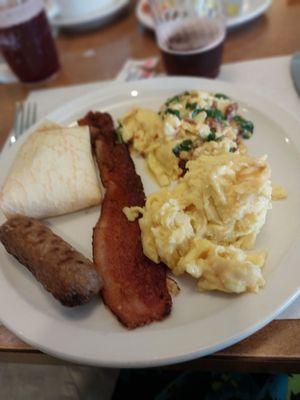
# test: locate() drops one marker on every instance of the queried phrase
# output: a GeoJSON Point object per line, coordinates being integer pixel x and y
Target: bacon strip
{"type": "Point", "coordinates": [134, 288]}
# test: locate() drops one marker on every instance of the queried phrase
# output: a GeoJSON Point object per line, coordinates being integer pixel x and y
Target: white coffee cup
{"type": "Point", "coordinates": [77, 8]}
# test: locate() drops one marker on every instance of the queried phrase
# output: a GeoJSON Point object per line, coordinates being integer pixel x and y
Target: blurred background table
{"type": "Point", "coordinates": [99, 55]}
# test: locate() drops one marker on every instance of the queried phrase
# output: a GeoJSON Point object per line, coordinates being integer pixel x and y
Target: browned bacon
{"type": "Point", "coordinates": [134, 287]}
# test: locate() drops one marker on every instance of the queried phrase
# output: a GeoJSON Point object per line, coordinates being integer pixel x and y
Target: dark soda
{"type": "Point", "coordinates": [27, 45]}
{"type": "Point", "coordinates": [193, 47]}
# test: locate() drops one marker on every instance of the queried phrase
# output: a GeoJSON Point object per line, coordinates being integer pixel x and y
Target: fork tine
{"type": "Point", "coordinates": [19, 120]}
{"type": "Point", "coordinates": [27, 115]}
{"type": "Point", "coordinates": [20, 126]}
{"type": "Point", "coordinates": [16, 117]}
{"type": "Point", "coordinates": [15, 124]}
{"type": "Point", "coordinates": [34, 112]}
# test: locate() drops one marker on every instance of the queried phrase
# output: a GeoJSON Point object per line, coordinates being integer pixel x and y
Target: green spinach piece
{"type": "Point", "coordinates": [191, 106]}
{"type": "Point", "coordinates": [185, 145]}
{"type": "Point", "coordinates": [215, 114]}
{"type": "Point", "coordinates": [210, 137]}
{"type": "Point", "coordinates": [176, 99]}
{"type": "Point", "coordinates": [197, 111]}
{"type": "Point", "coordinates": [246, 127]}
{"type": "Point", "coordinates": [172, 100]}
{"type": "Point", "coordinates": [222, 96]}
{"type": "Point", "coordinates": [173, 112]}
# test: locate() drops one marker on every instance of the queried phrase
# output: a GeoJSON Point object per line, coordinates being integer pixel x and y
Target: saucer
{"type": "Point", "coordinates": [249, 10]}
{"type": "Point", "coordinates": [90, 20]}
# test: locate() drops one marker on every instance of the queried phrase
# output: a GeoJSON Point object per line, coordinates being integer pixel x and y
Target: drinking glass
{"type": "Point", "coordinates": [26, 42]}
{"type": "Point", "coordinates": [190, 34]}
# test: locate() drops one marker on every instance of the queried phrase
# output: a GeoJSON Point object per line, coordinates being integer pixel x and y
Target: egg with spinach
{"type": "Point", "coordinates": [187, 126]}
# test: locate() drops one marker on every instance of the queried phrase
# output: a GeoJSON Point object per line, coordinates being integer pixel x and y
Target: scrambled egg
{"type": "Point", "coordinates": [206, 222]}
{"type": "Point", "coordinates": [188, 125]}
{"type": "Point", "coordinates": [279, 192]}
{"type": "Point", "coordinates": [142, 128]}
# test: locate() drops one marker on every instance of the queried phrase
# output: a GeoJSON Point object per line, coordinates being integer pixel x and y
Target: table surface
{"type": "Point", "coordinates": [277, 346]}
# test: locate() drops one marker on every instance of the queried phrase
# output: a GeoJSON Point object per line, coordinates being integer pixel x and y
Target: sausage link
{"type": "Point", "coordinates": [65, 273]}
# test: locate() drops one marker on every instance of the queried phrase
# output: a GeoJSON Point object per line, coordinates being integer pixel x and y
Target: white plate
{"type": "Point", "coordinates": [90, 20]}
{"type": "Point", "coordinates": [200, 323]}
{"type": "Point", "coordinates": [249, 10]}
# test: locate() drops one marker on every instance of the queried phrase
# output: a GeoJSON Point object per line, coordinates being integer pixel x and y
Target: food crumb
{"type": "Point", "coordinates": [279, 192]}
{"type": "Point", "coordinates": [132, 213]}
{"type": "Point", "coordinates": [172, 286]}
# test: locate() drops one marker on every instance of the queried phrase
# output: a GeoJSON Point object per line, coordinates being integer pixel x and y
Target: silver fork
{"type": "Point", "coordinates": [25, 117]}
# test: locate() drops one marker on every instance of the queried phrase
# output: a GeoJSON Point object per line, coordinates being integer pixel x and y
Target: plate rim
{"type": "Point", "coordinates": [232, 22]}
{"type": "Point", "coordinates": [99, 15]}
{"type": "Point", "coordinates": [239, 20]}
{"type": "Point", "coordinates": [166, 359]}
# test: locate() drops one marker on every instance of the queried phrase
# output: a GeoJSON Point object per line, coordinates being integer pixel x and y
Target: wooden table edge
{"type": "Point", "coordinates": [260, 352]}
{"type": "Point", "coordinates": [213, 363]}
